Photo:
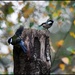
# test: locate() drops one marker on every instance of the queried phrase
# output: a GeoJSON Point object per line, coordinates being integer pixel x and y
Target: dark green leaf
{"type": "Point", "coordinates": [50, 16]}
{"type": "Point", "coordinates": [1, 28]}
{"type": "Point", "coordinates": [58, 18]}
{"type": "Point", "coordinates": [31, 24]}
{"type": "Point", "coordinates": [69, 49]}
{"type": "Point", "coordinates": [7, 8]}
{"type": "Point", "coordinates": [47, 8]}
{"type": "Point", "coordinates": [73, 5]}
{"type": "Point", "coordinates": [10, 10]}
{"type": "Point", "coordinates": [26, 7]}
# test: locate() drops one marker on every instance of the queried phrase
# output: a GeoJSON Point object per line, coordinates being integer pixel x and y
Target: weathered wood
{"type": "Point", "coordinates": [37, 61]}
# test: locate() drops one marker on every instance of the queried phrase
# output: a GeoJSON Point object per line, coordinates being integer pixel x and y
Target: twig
{"type": "Point", "coordinates": [60, 47]}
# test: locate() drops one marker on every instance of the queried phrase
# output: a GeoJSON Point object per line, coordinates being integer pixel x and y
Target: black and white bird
{"type": "Point", "coordinates": [16, 39]}
{"type": "Point", "coordinates": [47, 24]}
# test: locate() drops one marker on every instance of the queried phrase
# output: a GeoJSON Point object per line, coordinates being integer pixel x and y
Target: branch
{"type": "Point", "coordinates": [59, 50]}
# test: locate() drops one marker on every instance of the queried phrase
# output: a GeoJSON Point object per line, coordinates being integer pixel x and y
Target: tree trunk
{"type": "Point", "coordinates": [37, 61]}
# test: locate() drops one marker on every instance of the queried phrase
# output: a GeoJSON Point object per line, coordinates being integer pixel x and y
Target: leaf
{"type": "Point", "coordinates": [67, 2]}
{"type": "Point", "coordinates": [63, 4]}
{"type": "Point", "coordinates": [72, 34]}
{"type": "Point", "coordinates": [55, 14]}
{"type": "Point", "coordinates": [47, 8]}
{"type": "Point", "coordinates": [74, 22]}
{"type": "Point", "coordinates": [28, 12]}
{"type": "Point", "coordinates": [1, 18]}
{"type": "Point", "coordinates": [10, 31]}
{"type": "Point", "coordinates": [71, 9]}
{"type": "Point", "coordinates": [31, 24]}
{"type": "Point", "coordinates": [1, 15]}
{"type": "Point", "coordinates": [62, 66]}
{"type": "Point", "coordinates": [25, 7]}
{"type": "Point", "coordinates": [1, 12]}
{"type": "Point", "coordinates": [19, 15]}
{"type": "Point", "coordinates": [59, 12]}
{"type": "Point", "coordinates": [65, 60]}
{"type": "Point", "coordinates": [69, 49]}
{"type": "Point", "coordinates": [60, 43]}
{"type": "Point", "coordinates": [52, 6]}
{"type": "Point", "coordinates": [9, 23]}
{"type": "Point", "coordinates": [33, 20]}
{"type": "Point", "coordinates": [73, 51]}
{"type": "Point", "coordinates": [1, 27]}
{"type": "Point", "coordinates": [73, 5]}
{"type": "Point", "coordinates": [50, 15]}
{"type": "Point", "coordinates": [10, 10]}
{"type": "Point", "coordinates": [7, 8]}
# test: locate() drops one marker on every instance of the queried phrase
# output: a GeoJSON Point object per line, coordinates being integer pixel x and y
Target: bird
{"type": "Point", "coordinates": [17, 40]}
{"type": "Point", "coordinates": [47, 24]}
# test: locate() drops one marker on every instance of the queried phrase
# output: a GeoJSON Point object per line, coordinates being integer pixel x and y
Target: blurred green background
{"type": "Point", "coordinates": [30, 14]}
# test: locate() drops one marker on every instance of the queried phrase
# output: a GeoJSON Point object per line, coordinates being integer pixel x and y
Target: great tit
{"type": "Point", "coordinates": [47, 24]}
{"type": "Point", "coordinates": [16, 39]}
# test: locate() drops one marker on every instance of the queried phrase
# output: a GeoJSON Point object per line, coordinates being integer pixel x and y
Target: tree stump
{"type": "Point", "coordinates": [37, 61]}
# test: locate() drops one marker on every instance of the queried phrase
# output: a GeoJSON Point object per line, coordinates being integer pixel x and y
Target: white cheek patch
{"type": "Point", "coordinates": [49, 22]}
{"type": "Point", "coordinates": [10, 40]}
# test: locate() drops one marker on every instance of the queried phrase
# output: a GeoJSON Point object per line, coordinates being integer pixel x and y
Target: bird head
{"type": "Point", "coordinates": [14, 40]}
{"type": "Point", "coordinates": [16, 37]}
{"type": "Point", "coordinates": [10, 40]}
{"type": "Point", "coordinates": [49, 22]}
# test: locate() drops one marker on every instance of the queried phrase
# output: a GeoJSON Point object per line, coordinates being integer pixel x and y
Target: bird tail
{"type": "Point", "coordinates": [41, 24]}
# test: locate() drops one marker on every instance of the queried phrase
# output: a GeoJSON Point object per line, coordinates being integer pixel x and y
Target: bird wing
{"type": "Point", "coordinates": [42, 24]}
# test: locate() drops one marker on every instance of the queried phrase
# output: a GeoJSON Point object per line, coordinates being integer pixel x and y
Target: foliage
{"type": "Point", "coordinates": [30, 14]}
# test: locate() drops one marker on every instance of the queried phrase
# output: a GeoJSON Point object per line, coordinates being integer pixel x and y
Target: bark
{"type": "Point", "coordinates": [37, 61]}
